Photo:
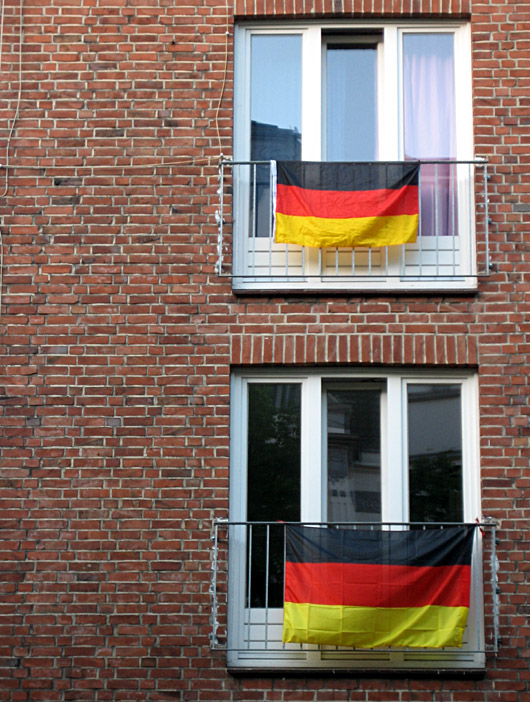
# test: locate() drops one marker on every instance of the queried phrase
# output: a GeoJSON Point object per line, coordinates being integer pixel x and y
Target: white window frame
{"type": "Point", "coordinates": [390, 141]}
{"type": "Point", "coordinates": [394, 506]}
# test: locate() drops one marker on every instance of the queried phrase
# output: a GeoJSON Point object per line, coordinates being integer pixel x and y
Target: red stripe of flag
{"type": "Point", "coordinates": [367, 585]}
{"type": "Point", "coordinates": [340, 204]}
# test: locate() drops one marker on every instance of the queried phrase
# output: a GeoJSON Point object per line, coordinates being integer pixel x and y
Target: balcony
{"type": "Point", "coordinates": [247, 607]}
{"type": "Point", "coordinates": [450, 253]}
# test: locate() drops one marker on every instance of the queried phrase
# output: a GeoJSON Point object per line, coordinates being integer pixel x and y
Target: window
{"type": "Point", "coordinates": [343, 447]}
{"type": "Point", "coordinates": [359, 93]}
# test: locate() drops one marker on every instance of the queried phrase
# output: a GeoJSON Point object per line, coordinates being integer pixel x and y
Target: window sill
{"type": "Point", "coordinates": [368, 662]}
{"type": "Point", "coordinates": [475, 673]}
{"type": "Point", "coordinates": [468, 286]}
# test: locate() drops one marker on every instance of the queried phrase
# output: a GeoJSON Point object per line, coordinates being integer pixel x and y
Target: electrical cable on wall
{"type": "Point", "coordinates": [2, 14]}
{"type": "Point", "coordinates": [19, 96]}
{"type": "Point", "coordinates": [13, 123]}
{"type": "Point", "coordinates": [186, 160]}
{"type": "Point", "coordinates": [223, 85]}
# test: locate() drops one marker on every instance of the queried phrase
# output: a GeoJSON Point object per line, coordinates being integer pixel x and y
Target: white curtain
{"type": "Point", "coordinates": [430, 126]}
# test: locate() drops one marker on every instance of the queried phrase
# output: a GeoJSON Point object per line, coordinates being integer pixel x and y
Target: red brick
{"type": "Point", "coordinates": [117, 341]}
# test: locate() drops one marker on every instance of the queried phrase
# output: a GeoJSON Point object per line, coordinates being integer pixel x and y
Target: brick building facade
{"type": "Point", "coordinates": [122, 326]}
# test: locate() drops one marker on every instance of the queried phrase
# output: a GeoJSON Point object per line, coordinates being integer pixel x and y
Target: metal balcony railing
{"type": "Point", "coordinates": [247, 586]}
{"type": "Point", "coordinates": [451, 250]}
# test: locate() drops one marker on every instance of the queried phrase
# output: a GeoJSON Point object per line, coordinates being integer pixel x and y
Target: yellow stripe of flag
{"type": "Point", "coordinates": [374, 627]}
{"type": "Point", "coordinates": [359, 231]}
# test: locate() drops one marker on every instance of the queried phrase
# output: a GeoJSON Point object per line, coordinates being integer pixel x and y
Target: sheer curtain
{"type": "Point", "coordinates": [430, 125]}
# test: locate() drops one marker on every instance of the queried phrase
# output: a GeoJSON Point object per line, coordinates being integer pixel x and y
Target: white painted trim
{"type": "Point", "coordinates": [311, 474]}
{"type": "Point", "coordinates": [389, 130]}
{"type": "Point", "coordinates": [463, 88]}
{"type": "Point", "coordinates": [393, 480]}
{"type": "Point", "coordinates": [312, 94]}
{"type": "Point", "coordinates": [393, 422]}
{"type": "Point", "coordinates": [390, 146]}
{"type": "Point", "coordinates": [471, 449]}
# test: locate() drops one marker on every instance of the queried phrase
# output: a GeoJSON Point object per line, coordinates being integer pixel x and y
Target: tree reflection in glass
{"type": "Point", "coordinates": [273, 483]}
{"type": "Point", "coordinates": [435, 453]}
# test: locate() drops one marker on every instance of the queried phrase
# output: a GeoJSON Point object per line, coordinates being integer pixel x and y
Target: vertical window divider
{"type": "Point", "coordinates": [254, 217]}
{"type": "Point", "coordinates": [471, 449]}
{"type": "Point", "coordinates": [405, 450]}
{"type": "Point", "coordinates": [453, 181]}
{"type": "Point", "coordinates": [311, 449]}
{"type": "Point", "coordinates": [284, 532]}
{"type": "Point", "coordinates": [420, 230]}
{"type": "Point", "coordinates": [311, 94]}
{"type": "Point", "coordinates": [249, 584]}
{"type": "Point", "coordinates": [394, 507]}
{"type": "Point", "coordinates": [470, 187]}
{"type": "Point", "coordinates": [267, 566]}
{"type": "Point", "coordinates": [436, 232]}
{"type": "Point", "coordinates": [390, 107]}
{"type": "Point", "coordinates": [312, 119]}
{"type": "Point", "coordinates": [271, 219]}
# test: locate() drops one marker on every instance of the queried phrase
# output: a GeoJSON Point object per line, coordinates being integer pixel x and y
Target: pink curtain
{"type": "Point", "coordinates": [430, 126]}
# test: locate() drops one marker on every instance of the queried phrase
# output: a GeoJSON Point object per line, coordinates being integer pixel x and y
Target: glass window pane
{"type": "Point", "coordinates": [273, 452]}
{"type": "Point", "coordinates": [435, 453]}
{"type": "Point", "coordinates": [353, 455]}
{"type": "Point", "coordinates": [273, 483]}
{"type": "Point", "coordinates": [276, 97]}
{"type": "Point", "coordinates": [351, 109]}
{"type": "Point", "coordinates": [275, 114]}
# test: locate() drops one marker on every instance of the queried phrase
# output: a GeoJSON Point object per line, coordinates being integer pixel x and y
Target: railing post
{"type": "Point", "coordinates": [420, 228]}
{"type": "Point", "coordinates": [437, 215]}
{"type": "Point", "coordinates": [213, 587]}
{"type": "Point", "coordinates": [267, 566]}
{"type": "Point", "coordinates": [254, 229]}
{"type": "Point", "coordinates": [495, 586]}
{"type": "Point", "coordinates": [248, 594]}
{"type": "Point", "coordinates": [452, 224]}
{"type": "Point", "coordinates": [486, 217]}
{"type": "Point", "coordinates": [272, 214]}
{"type": "Point", "coordinates": [219, 216]}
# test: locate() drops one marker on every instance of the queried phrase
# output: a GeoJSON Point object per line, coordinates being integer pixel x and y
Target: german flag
{"type": "Point", "coordinates": [377, 589]}
{"type": "Point", "coordinates": [346, 204]}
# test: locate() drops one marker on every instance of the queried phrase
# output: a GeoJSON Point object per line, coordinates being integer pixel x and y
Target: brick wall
{"type": "Point", "coordinates": [118, 336]}
{"type": "Point", "coordinates": [374, 8]}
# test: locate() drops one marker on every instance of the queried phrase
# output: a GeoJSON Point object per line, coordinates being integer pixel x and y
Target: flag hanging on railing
{"type": "Point", "coordinates": [377, 589]}
{"type": "Point", "coordinates": [346, 204]}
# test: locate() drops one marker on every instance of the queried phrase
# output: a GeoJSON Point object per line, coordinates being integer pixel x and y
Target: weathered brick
{"type": "Point", "coordinates": [117, 341]}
